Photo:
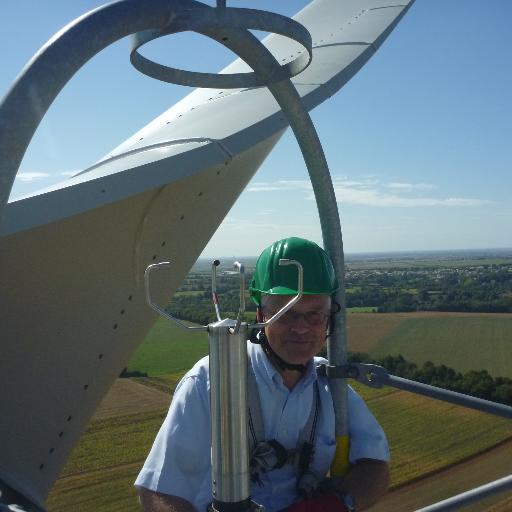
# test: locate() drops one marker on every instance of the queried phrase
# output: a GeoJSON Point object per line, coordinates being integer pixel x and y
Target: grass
{"type": "Point", "coordinates": [188, 293]}
{"type": "Point", "coordinates": [362, 309]}
{"type": "Point", "coordinates": [102, 468]}
{"type": "Point", "coordinates": [424, 435]}
{"type": "Point", "coordinates": [115, 441]}
{"type": "Point", "coordinates": [106, 490]}
{"type": "Point", "coordinates": [405, 263]}
{"type": "Point", "coordinates": [365, 330]}
{"type": "Point", "coordinates": [168, 349]}
{"type": "Point", "coordinates": [463, 343]}
{"type": "Point", "coordinates": [165, 383]}
{"type": "Point", "coordinates": [449, 482]}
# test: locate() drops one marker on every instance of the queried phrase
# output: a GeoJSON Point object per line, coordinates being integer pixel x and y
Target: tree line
{"type": "Point", "coordinates": [475, 383]}
{"type": "Point", "coordinates": [480, 289]}
{"type": "Point", "coordinates": [483, 289]}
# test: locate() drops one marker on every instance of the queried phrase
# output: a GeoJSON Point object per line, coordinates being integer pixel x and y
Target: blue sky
{"type": "Point", "coordinates": [418, 142]}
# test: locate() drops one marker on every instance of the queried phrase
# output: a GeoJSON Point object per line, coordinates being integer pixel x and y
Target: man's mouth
{"type": "Point", "coordinates": [299, 342]}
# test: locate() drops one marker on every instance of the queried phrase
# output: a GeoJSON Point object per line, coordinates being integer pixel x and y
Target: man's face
{"type": "Point", "coordinates": [298, 335]}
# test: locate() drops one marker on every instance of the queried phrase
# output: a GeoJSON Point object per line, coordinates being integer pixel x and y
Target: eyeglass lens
{"type": "Point", "coordinates": [291, 316]}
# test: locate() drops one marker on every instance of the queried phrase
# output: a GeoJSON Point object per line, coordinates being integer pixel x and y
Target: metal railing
{"type": "Point", "coordinates": [377, 377]}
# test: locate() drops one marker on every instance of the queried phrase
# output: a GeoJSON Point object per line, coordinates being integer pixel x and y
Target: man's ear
{"type": "Point", "coordinates": [259, 315]}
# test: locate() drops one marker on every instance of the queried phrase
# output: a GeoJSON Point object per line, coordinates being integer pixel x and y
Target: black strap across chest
{"type": "Point", "coordinates": [267, 455]}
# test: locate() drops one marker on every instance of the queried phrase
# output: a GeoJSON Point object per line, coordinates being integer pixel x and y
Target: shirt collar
{"type": "Point", "coordinates": [264, 367]}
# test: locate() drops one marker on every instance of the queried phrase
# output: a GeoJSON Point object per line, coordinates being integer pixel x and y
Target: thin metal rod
{"type": "Point", "coordinates": [376, 376]}
{"type": "Point", "coordinates": [450, 396]}
{"type": "Point", "coordinates": [42, 79]}
{"type": "Point", "coordinates": [263, 63]}
{"type": "Point", "coordinates": [215, 297]}
{"type": "Point", "coordinates": [155, 306]}
{"type": "Point", "coordinates": [241, 308]}
{"type": "Point", "coordinates": [472, 496]}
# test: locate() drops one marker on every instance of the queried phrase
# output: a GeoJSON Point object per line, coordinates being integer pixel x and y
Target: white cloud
{"type": "Point", "coordinates": [265, 186]}
{"type": "Point", "coordinates": [31, 176]}
{"type": "Point", "coordinates": [371, 192]}
{"type": "Point", "coordinates": [409, 186]}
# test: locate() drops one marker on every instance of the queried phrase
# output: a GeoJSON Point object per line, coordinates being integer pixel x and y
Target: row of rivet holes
{"type": "Point", "coordinates": [282, 60]}
{"type": "Point", "coordinates": [86, 386]}
{"type": "Point", "coordinates": [114, 327]}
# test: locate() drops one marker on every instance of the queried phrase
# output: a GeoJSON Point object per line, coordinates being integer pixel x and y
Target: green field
{"type": "Point", "coordinates": [390, 263]}
{"type": "Point", "coordinates": [100, 473]}
{"type": "Point", "coordinates": [188, 293]}
{"type": "Point", "coordinates": [424, 435]}
{"type": "Point", "coordinates": [461, 341]}
{"type": "Point", "coordinates": [168, 349]}
{"type": "Point", "coordinates": [470, 342]}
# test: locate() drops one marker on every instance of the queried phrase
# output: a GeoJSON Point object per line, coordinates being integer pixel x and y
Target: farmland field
{"type": "Point", "coordinates": [130, 396]}
{"type": "Point", "coordinates": [463, 342]}
{"type": "Point", "coordinates": [453, 339]}
{"type": "Point", "coordinates": [425, 435]}
{"type": "Point", "coordinates": [479, 470]}
{"type": "Point", "coordinates": [168, 349]}
{"type": "Point", "coordinates": [365, 330]}
{"type": "Point", "coordinates": [398, 263]}
{"type": "Point", "coordinates": [100, 473]}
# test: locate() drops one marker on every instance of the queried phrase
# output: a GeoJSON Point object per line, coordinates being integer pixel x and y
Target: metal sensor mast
{"type": "Point", "coordinates": [227, 340]}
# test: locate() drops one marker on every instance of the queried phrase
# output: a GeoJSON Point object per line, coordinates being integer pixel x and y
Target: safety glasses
{"type": "Point", "coordinates": [313, 318]}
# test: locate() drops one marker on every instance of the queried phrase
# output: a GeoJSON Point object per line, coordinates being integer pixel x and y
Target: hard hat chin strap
{"type": "Point", "coordinates": [261, 338]}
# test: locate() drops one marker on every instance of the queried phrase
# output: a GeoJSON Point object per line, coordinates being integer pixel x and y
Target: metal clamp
{"type": "Point", "coordinates": [368, 374]}
{"type": "Point", "coordinates": [376, 376]}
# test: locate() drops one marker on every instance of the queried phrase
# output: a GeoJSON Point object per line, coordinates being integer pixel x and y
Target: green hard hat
{"type": "Point", "coordinates": [274, 279]}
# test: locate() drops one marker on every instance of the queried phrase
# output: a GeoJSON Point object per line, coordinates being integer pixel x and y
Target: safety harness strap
{"type": "Point", "coordinates": [266, 455]}
{"type": "Point", "coordinates": [256, 427]}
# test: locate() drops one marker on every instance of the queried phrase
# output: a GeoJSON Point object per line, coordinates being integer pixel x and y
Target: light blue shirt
{"type": "Point", "coordinates": [179, 461]}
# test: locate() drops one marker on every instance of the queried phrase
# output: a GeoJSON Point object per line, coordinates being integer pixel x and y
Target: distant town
{"type": "Point", "coordinates": [459, 281]}
{"type": "Point", "coordinates": [469, 284]}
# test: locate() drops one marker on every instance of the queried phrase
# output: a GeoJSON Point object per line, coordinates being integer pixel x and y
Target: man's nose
{"type": "Point", "coordinates": [299, 323]}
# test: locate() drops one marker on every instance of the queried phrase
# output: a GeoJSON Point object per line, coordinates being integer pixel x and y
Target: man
{"type": "Point", "coordinates": [177, 474]}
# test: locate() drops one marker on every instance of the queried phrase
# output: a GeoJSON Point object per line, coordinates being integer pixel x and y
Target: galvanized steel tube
{"type": "Point", "coordinates": [263, 62]}
{"type": "Point", "coordinates": [449, 396]}
{"type": "Point", "coordinates": [313, 154]}
{"type": "Point", "coordinates": [42, 79]}
{"type": "Point", "coordinates": [472, 496]}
